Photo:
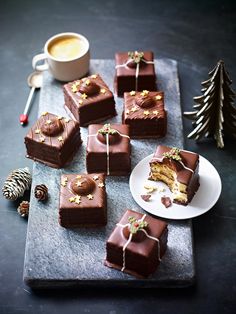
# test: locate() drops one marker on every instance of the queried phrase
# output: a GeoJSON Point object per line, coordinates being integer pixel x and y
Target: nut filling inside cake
{"type": "Point", "coordinates": [178, 169]}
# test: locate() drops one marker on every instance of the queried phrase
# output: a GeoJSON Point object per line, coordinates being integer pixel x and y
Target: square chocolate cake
{"type": "Point", "coordinates": [53, 140]}
{"type": "Point", "coordinates": [145, 113]}
{"type": "Point", "coordinates": [89, 100]}
{"type": "Point", "coordinates": [134, 71]}
{"type": "Point", "coordinates": [83, 201]}
{"type": "Point", "coordinates": [137, 244]}
{"type": "Point", "coordinates": [178, 169]}
{"type": "Point", "coordinates": [108, 149]}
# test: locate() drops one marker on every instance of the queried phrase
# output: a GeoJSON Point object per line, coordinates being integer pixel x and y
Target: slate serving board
{"type": "Point", "coordinates": [58, 257]}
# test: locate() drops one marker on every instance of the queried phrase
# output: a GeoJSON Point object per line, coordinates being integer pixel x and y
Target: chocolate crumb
{"type": "Point", "coordinates": [146, 197]}
{"type": "Point", "coordinates": [166, 201]}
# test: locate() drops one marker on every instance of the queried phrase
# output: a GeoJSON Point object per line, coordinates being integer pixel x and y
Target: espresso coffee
{"type": "Point", "coordinates": [66, 48]}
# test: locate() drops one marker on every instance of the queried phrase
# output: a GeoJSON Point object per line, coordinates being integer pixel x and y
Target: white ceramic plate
{"type": "Point", "coordinates": [204, 199]}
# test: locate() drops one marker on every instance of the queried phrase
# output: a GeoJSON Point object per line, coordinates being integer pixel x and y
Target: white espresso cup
{"type": "Point", "coordinates": [66, 56]}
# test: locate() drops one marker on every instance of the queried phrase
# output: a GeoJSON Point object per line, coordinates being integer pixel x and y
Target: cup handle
{"type": "Point", "coordinates": [36, 59]}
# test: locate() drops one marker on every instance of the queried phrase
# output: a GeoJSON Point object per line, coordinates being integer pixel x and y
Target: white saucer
{"type": "Point", "coordinates": [204, 199]}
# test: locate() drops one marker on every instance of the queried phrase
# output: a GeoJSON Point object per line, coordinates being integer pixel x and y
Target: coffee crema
{"type": "Point", "coordinates": [66, 48]}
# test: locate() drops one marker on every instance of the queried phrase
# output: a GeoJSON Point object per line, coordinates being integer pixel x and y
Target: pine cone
{"type": "Point", "coordinates": [16, 183]}
{"type": "Point", "coordinates": [41, 192]}
{"type": "Point", "coordinates": [23, 209]}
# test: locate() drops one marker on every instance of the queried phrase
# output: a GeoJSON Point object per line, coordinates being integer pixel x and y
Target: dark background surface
{"type": "Point", "coordinates": [196, 34]}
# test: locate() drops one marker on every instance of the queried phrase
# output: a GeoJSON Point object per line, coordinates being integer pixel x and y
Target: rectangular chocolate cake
{"type": "Point", "coordinates": [89, 100]}
{"type": "Point", "coordinates": [134, 71]}
{"type": "Point", "coordinates": [144, 112]}
{"type": "Point", "coordinates": [108, 149]}
{"type": "Point", "coordinates": [53, 140]}
{"type": "Point", "coordinates": [137, 244]}
{"type": "Point", "coordinates": [83, 201]}
{"type": "Point", "coordinates": [178, 169]}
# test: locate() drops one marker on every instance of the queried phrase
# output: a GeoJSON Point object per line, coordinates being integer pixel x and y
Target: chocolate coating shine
{"type": "Point", "coordinates": [119, 151]}
{"type": "Point", "coordinates": [141, 254]}
{"type": "Point", "coordinates": [125, 76]}
{"type": "Point", "coordinates": [53, 140]}
{"type": "Point", "coordinates": [84, 206]}
{"type": "Point", "coordinates": [90, 103]}
{"type": "Point", "coordinates": [83, 185]}
{"type": "Point", "coordinates": [146, 116]}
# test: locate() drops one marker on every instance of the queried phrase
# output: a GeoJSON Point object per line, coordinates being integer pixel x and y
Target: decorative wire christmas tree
{"type": "Point", "coordinates": [215, 114]}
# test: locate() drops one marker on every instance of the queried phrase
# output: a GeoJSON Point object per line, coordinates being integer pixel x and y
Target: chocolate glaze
{"type": "Point", "coordinates": [119, 151]}
{"type": "Point", "coordinates": [145, 126]}
{"type": "Point", "coordinates": [141, 254]}
{"type": "Point", "coordinates": [125, 76]}
{"type": "Point", "coordinates": [90, 212]}
{"type": "Point", "coordinates": [53, 144]}
{"type": "Point", "coordinates": [96, 107]}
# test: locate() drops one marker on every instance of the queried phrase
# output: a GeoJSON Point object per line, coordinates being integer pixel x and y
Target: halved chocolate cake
{"type": "Point", "coordinates": [178, 169]}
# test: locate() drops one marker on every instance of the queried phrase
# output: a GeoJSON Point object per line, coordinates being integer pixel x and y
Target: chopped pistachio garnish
{"type": "Point", "coordinates": [174, 154]}
{"type": "Point", "coordinates": [136, 225]}
{"type": "Point", "coordinates": [136, 56]}
{"type": "Point", "coordinates": [106, 129]}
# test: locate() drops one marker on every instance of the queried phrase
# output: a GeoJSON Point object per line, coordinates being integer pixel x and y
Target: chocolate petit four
{"type": "Point", "coordinates": [89, 100]}
{"type": "Point", "coordinates": [178, 169]}
{"type": "Point", "coordinates": [144, 112]}
{"type": "Point", "coordinates": [108, 149]}
{"type": "Point", "coordinates": [53, 140]}
{"type": "Point", "coordinates": [134, 71]}
{"type": "Point", "coordinates": [137, 244]}
{"type": "Point", "coordinates": [83, 201]}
